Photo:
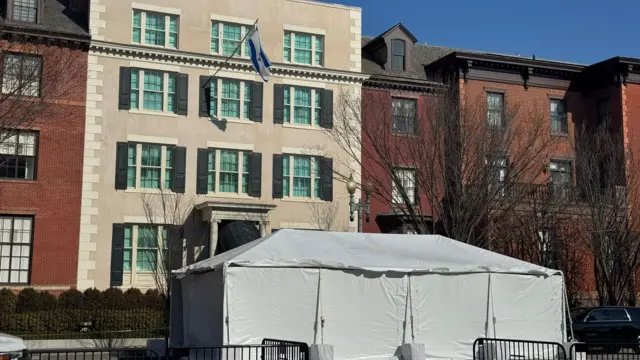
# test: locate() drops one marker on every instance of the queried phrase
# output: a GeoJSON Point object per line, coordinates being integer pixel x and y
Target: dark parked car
{"type": "Point", "coordinates": [618, 326]}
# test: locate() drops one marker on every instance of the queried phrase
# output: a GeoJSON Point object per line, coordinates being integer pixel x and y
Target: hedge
{"type": "Point", "coordinates": [92, 314]}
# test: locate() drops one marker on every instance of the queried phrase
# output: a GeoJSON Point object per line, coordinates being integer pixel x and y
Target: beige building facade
{"type": "Point", "coordinates": [161, 128]}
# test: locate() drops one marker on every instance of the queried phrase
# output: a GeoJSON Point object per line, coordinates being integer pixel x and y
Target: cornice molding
{"type": "Point", "coordinates": [208, 61]}
{"type": "Point", "coordinates": [375, 82]}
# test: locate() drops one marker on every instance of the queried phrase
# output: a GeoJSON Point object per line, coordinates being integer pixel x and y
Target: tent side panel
{"type": "Point", "coordinates": [450, 313]}
{"type": "Point", "coordinates": [202, 310]}
{"type": "Point", "coordinates": [271, 303]}
{"type": "Point", "coordinates": [364, 313]}
{"type": "Point", "coordinates": [527, 307]}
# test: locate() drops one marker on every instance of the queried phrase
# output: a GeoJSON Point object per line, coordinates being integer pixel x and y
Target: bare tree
{"type": "Point", "coordinates": [608, 175]}
{"type": "Point", "coordinates": [445, 164]}
{"type": "Point", "coordinates": [324, 215]}
{"type": "Point", "coordinates": [166, 214]}
{"type": "Point", "coordinates": [38, 80]}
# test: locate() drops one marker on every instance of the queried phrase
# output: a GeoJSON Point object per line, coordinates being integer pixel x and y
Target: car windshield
{"type": "Point", "coordinates": [579, 314]}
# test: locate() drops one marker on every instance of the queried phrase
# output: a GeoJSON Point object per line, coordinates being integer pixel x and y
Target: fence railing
{"type": "Point", "coordinates": [91, 354]}
{"type": "Point", "coordinates": [268, 350]}
{"type": "Point", "coordinates": [85, 324]}
{"type": "Point", "coordinates": [510, 349]}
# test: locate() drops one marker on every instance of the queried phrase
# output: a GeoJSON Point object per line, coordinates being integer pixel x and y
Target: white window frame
{"type": "Point", "coordinates": [244, 29]}
{"type": "Point", "coordinates": [292, 102]}
{"type": "Point", "coordinates": [312, 183]}
{"type": "Point", "coordinates": [396, 196]}
{"type": "Point", "coordinates": [218, 113]}
{"type": "Point", "coordinates": [313, 48]}
{"type": "Point", "coordinates": [241, 154]}
{"type": "Point", "coordinates": [143, 31]}
{"type": "Point", "coordinates": [163, 164]}
{"type": "Point", "coordinates": [165, 91]}
{"type": "Point", "coordinates": [8, 247]}
{"type": "Point", "coordinates": [134, 249]}
{"type": "Point", "coordinates": [17, 140]}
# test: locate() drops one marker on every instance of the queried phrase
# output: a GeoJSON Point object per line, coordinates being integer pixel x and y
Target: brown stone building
{"type": "Point", "coordinates": [404, 77]}
{"type": "Point", "coordinates": [43, 46]}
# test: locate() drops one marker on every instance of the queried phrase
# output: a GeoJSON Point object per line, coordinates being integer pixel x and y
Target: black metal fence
{"type": "Point", "coordinates": [270, 349]}
{"type": "Point", "coordinates": [506, 349]}
{"type": "Point", "coordinates": [91, 354]}
{"type": "Point", "coordinates": [86, 324]}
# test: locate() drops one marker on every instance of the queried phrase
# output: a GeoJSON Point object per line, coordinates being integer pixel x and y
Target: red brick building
{"type": "Point", "coordinates": [405, 74]}
{"type": "Point", "coordinates": [44, 47]}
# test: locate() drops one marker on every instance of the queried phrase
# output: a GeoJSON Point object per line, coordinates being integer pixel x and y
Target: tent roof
{"type": "Point", "coordinates": [362, 251]}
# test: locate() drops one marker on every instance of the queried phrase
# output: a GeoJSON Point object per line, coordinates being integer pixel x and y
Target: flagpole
{"type": "Point", "coordinates": [237, 47]}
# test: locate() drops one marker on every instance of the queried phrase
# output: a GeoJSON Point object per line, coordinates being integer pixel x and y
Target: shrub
{"type": "Point", "coordinates": [28, 300]}
{"type": "Point", "coordinates": [48, 300]}
{"type": "Point", "coordinates": [92, 299]}
{"type": "Point", "coordinates": [154, 300]}
{"type": "Point", "coordinates": [71, 299]}
{"type": "Point", "coordinates": [112, 298]}
{"type": "Point", "coordinates": [133, 299]}
{"type": "Point", "coordinates": [7, 301]}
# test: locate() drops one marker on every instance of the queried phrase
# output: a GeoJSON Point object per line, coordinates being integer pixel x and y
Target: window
{"type": "Point", "coordinates": [305, 49]}
{"type": "Point", "coordinates": [397, 54]}
{"type": "Point", "coordinates": [403, 116]}
{"type": "Point", "coordinates": [15, 249]}
{"type": "Point", "coordinates": [230, 98]}
{"type": "Point", "coordinates": [407, 178]}
{"type": "Point", "coordinates": [225, 39]}
{"type": "Point", "coordinates": [150, 166]}
{"type": "Point", "coordinates": [561, 172]}
{"type": "Point", "coordinates": [305, 105]}
{"type": "Point", "coordinates": [21, 75]}
{"type": "Point", "coordinates": [228, 171]}
{"type": "Point", "coordinates": [24, 10]}
{"type": "Point", "coordinates": [604, 113]}
{"type": "Point", "coordinates": [18, 155]}
{"type": "Point", "coordinates": [495, 110]}
{"type": "Point", "coordinates": [157, 90]}
{"type": "Point", "coordinates": [301, 176]}
{"type": "Point", "coordinates": [141, 247]}
{"type": "Point", "coordinates": [559, 122]}
{"type": "Point", "coordinates": [608, 315]}
{"type": "Point", "coordinates": [155, 29]}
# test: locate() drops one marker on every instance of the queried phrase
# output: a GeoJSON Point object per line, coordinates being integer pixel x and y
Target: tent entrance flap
{"type": "Point", "coordinates": [318, 326]}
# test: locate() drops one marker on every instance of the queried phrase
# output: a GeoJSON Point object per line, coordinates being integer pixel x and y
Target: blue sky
{"type": "Point", "coordinates": [582, 31]}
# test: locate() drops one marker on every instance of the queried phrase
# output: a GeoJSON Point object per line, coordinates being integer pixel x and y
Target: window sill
{"type": "Point", "coordinates": [559, 134]}
{"type": "Point", "coordinates": [230, 196]}
{"type": "Point", "coordinates": [239, 121]}
{"type": "Point", "coordinates": [154, 113]}
{"type": "Point", "coordinates": [302, 127]}
{"type": "Point", "coordinates": [155, 46]}
{"type": "Point", "coordinates": [302, 200]}
{"type": "Point", "coordinates": [233, 57]}
{"type": "Point", "coordinates": [18, 181]}
{"type": "Point", "coordinates": [302, 64]}
{"type": "Point", "coordinates": [147, 191]}
{"type": "Point", "coordinates": [402, 134]}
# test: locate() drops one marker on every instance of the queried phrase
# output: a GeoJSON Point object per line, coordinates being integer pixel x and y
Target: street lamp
{"type": "Point", "coordinates": [359, 206]}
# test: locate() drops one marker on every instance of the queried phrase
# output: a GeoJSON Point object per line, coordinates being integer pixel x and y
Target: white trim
{"type": "Point", "coordinates": [296, 225]}
{"type": "Point", "coordinates": [301, 199]}
{"type": "Point", "coordinates": [154, 66]}
{"type": "Point", "coordinates": [304, 83]}
{"type": "Point", "coordinates": [232, 19]}
{"type": "Point", "coordinates": [153, 113]}
{"type": "Point", "coordinates": [152, 139]}
{"type": "Point", "coordinates": [233, 75]}
{"type": "Point", "coordinates": [229, 146]}
{"type": "Point", "coordinates": [133, 219]}
{"type": "Point", "coordinates": [302, 151]}
{"type": "Point", "coordinates": [156, 8]}
{"type": "Point", "coordinates": [304, 29]}
{"type": "Point", "coordinates": [302, 127]}
{"type": "Point", "coordinates": [330, 5]}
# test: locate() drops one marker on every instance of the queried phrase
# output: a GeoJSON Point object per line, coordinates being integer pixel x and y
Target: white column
{"type": "Point", "coordinates": [213, 236]}
{"type": "Point", "coordinates": [263, 228]}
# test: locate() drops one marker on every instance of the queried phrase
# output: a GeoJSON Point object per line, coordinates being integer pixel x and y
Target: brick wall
{"type": "Point", "coordinates": [54, 197]}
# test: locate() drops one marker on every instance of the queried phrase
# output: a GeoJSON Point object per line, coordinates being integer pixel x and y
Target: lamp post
{"type": "Point", "coordinates": [359, 206]}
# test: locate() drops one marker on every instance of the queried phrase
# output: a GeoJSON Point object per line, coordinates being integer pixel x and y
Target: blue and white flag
{"type": "Point", "coordinates": [259, 59]}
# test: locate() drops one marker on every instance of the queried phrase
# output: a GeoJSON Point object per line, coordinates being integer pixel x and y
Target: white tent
{"type": "Point", "coordinates": [365, 294]}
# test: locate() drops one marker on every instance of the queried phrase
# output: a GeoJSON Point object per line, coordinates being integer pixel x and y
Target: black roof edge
{"type": "Point", "coordinates": [504, 59]}
{"type": "Point", "coordinates": [54, 35]}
